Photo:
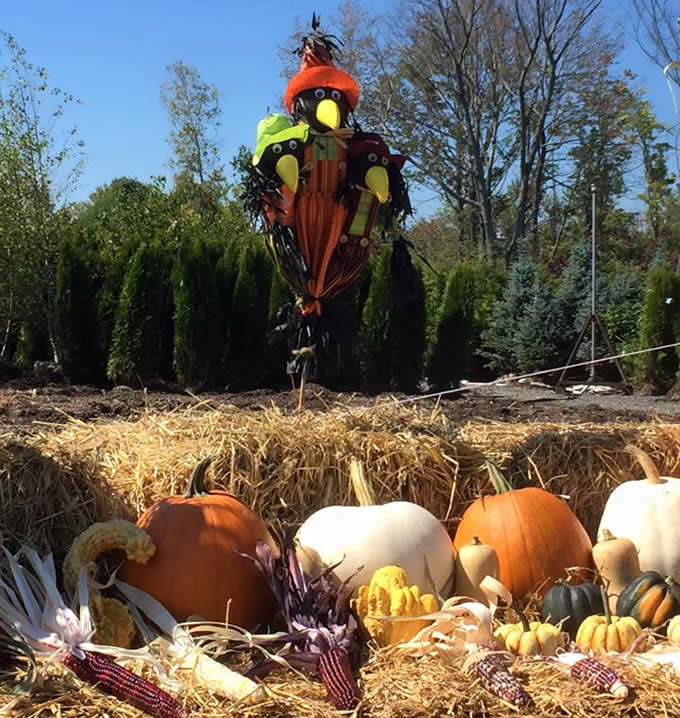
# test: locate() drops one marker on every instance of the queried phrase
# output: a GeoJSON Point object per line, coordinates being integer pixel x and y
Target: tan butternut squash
{"type": "Point", "coordinates": [474, 561]}
{"type": "Point", "coordinates": [616, 559]}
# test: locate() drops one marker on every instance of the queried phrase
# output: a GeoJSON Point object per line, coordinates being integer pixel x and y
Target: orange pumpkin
{"type": "Point", "coordinates": [535, 535]}
{"type": "Point", "coordinates": [197, 568]}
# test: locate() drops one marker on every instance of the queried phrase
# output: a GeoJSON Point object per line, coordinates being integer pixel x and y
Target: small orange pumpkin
{"type": "Point", "coordinates": [197, 569]}
{"type": "Point", "coordinates": [536, 536]}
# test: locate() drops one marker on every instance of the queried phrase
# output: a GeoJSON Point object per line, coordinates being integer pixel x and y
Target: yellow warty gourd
{"type": "Point", "coordinates": [105, 536]}
{"type": "Point", "coordinates": [389, 595]}
{"type": "Point", "coordinates": [112, 620]}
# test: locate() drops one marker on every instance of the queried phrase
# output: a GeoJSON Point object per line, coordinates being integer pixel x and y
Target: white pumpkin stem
{"type": "Point", "coordinates": [645, 461]}
{"type": "Point", "coordinates": [362, 489]}
{"type": "Point", "coordinates": [607, 535]}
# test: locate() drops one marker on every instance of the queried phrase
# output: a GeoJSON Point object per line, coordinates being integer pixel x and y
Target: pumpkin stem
{"type": "Point", "coordinates": [607, 535]}
{"type": "Point", "coordinates": [605, 603]}
{"type": "Point", "coordinates": [475, 541]}
{"type": "Point", "coordinates": [362, 489]}
{"type": "Point", "coordinates": [498, 481]}
{"type": "Point", "coordinates": [196, 485]}
{"type": "Point", "coordinates": [526, 628]}
{"type": "Point", "coordinates": [645, 461]}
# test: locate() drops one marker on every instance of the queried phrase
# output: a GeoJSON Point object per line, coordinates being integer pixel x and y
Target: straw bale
{"type": "Point", "coordinates": [286, 464]}
{"type": "Point", "coordinates": [392, 687]}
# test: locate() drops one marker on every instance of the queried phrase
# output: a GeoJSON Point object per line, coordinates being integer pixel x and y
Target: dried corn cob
{"type": "Point", "coordinates": [493, 670]}
{"type": "Point", "coordinates": [105, 536]}
{"type": "Point", "coordinates": [336, 674]}
{"type": "Point", "coordinates": [599, 676]}
{"type": "Point", "coordinates": [109, 677]}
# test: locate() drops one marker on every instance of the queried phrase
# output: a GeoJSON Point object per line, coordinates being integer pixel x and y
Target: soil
{"type": "Point", "coordinates": [26, 409]}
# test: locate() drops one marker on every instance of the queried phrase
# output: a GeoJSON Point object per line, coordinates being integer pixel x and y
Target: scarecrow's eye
{"type": "Point", "coordinates": [336, 95]}
{"type": "Point", "coordinates": [277, 149]}
{"type": "Point", "coordinates": [384, 161]}
{"type": "Point", "coordinates": [372, 157]}
{"type": "Point", "coordinates": [319, 93]}
{"type": "Point", "coordinates": [292, 144]}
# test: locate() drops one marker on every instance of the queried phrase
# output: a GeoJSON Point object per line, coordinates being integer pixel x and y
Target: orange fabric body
{"type": "Point", "coordinates": [319, 219]}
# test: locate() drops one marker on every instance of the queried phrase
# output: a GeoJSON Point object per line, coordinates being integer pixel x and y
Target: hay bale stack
{"type": "Point", "coordinates": [287, 465]}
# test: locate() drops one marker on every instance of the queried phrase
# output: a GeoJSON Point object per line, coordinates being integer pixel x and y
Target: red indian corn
{"type": "Point", "coordinates": [599, 676]}
{"type": "Point", "coordinates": [493, 671]}
{"type": "Point", "coordinates": [336, 674]}
{"type": "Point", "coordinates": [109, 677]}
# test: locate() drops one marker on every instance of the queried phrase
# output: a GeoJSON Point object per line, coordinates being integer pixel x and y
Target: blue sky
{"type": "Point", "coordinates": [112, 56]}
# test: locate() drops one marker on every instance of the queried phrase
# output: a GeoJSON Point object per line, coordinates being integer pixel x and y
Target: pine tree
{"type": "Point", "coordinates": [141, 347]}
{"type": "Point", "coordinates": [77, 287]}
{"type": "Point", "coordinates": [499, 338]}
{"type": "Point", "coordinates": [198, 320]}
{"type": "Point", "coordinates": [537, 332]}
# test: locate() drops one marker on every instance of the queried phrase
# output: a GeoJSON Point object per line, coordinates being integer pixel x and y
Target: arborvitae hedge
{"type": "Point", "coordinates": [141, 347]}
{"type": "Point", "coordinates": [78, 284]}
{"type": "Point", "coordinates": [375, 325]}
{"type": "Point", "coordinates": [248, 318]}
{"type": "Point", "coordinates": [406, 337]}
{"type": "Point", "coordinates": [455, 330]}
{"type": "Point", "coordinates": [660, 324]}
{"type": "Point", "coordinates": [198, 315]}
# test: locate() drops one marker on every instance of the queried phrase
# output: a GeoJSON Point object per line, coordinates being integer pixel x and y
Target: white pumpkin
{"type": "Point", "coordinates": [399, 533]}
{"type": "Point", "coordinates": [647, 511]}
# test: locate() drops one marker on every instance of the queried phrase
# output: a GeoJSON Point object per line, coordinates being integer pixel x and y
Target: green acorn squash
{"type": "Point", "coordinates": [573, 603]}
{"type": "Point", "coordinates": [650, 599]}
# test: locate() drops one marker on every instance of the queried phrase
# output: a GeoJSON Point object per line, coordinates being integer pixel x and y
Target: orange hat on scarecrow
{"type": "Point", "coordinates": [316, 71]}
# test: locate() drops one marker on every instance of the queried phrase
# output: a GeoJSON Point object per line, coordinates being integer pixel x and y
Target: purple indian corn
{"type": "Point", "coordinates": [495, 675]}
{"type": "Point", "coordinates": [336, 674]}
{"type": "Point", "coordinates": [108, 676]}
{"type": "Point", "coordinates": [599, 676]}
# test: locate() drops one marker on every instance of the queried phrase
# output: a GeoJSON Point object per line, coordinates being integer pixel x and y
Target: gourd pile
{"type": "Point", "coordinates": [204, 577]}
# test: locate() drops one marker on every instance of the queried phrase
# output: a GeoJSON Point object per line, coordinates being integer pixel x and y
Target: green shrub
{"type": "Point", "coordinates": [198, 322]}
{"type": "Point", "coordinates": [248, 320]}
{"type": "Point", "coordinates": [77, 286]}
{"type": "Point", "coordinates": [375, 325]}
{"type": "Point", "coordinates": [660, 324]}
{"type": "Point", "coordinates": [141, 347]}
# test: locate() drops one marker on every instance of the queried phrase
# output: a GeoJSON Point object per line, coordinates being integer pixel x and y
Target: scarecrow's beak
{"type": "Point", "coordinates": [328, 114]}
{"type": "Point", "coordinates": [288, 169]}
{"type": "Point", "coordinates": [378, 182]}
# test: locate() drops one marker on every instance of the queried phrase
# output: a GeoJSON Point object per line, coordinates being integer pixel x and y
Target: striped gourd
{"type": "Point", "coordinates": [109, 677]}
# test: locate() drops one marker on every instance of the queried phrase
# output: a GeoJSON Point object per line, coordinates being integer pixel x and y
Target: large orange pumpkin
{"type": "Point", "coordinates": [535, 535]}
{"type": "Point", "coordinates": [197, 568]}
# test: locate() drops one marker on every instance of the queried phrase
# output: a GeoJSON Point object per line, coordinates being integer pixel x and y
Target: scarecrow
{"type": "Point", "coordinates": [321, 187]}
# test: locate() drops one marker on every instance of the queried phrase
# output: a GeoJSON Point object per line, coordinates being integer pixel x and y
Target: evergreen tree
{"type": "Point", "coordinates": [277, 352]}
{"type": "Point", "coordinates": [78, 283]}
{"type": "Point", "coordinates": [141, 347]}
{"type": "Point", "coordinates": [198, 320]}
{"type": "Point", "coordinates": [249, 312]}
{"type": "Point", "coordinates": [537, 333]}
{"type": "Point", "coordinates": [226, 271]}
{"type": "Point", "coordinates": [375, 325]}
{"type": "Point", "coordinates": [406, 338]}
{"type": "Point", "coordinates": [660, 324]}
{"type": "Point", "coordinates": [499, 338]}
{"type": "Point", "coordinates": [456, 328]}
